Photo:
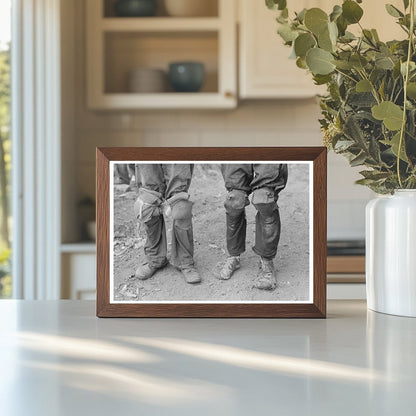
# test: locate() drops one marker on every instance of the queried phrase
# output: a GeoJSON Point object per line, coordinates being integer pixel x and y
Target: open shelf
{"type": "Point", "coordinates": [167, 100]}
{"type": "Point", "coordinates": [126, 51]}
{"type": "Point", "coordinates": [210, 7]}
{"type": "Point", "coordinates": [119, 45]}
{"type": "Point", "coordinates": [160, 24]}
{"type": "Point", "coordinates": [84, 247]}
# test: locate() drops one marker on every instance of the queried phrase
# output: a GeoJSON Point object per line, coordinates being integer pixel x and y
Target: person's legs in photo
{"type": "Point", "coordinates": [236, 178]}
{"type": "Point", "coordinates": [149, 213]}
{"type": "Point", "coordinates": [178, 177]}
{"type": "Point", "coordinates": [269, 180]}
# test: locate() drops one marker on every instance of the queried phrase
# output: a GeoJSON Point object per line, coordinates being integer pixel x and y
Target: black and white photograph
{"type": "Point", "coordinates": [211, 232]}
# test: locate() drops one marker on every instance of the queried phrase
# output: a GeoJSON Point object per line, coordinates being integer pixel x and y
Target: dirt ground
{"type": "Point", "coordinates": [208, 193]}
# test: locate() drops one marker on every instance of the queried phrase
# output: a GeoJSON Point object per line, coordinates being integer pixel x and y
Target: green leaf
{"type": "Point", "coordinates": [342, 25]}
{"type": "Point", "coordinates": [368, 36]}
{"type": "Point", "coordinates": [377, 75]}
{"type": "Point", "coordinates": [352, 12]}
{"type": "Point", "coordinates": [321, 79]}
{"type": "Point", "coordinates": [276, 4]}
{"type": "Point", "coordinates": [393, 11]}
{"type": "Point", "coordinates": [301, 63]}
{"type": "Point", "coordinates": [412, 67]}
{"type": "Point", "coordinates": [358, 61]}
{"type": "Point", "coordinates": [394, 144]}
{"type": "Point", "coordinates": [343, 145]}
{"type": "Point", "coordinates": [354, 132]}
{"type": "Point", "coordinates": [406, 4]}
{"type": "Point", "coordinates": [374, 174]}
{"type": "Point", "coordinates": [411, 90]}
{"type": "Point", "coordinates": [375, 35]}
{"type": "Point", "coordinates": [325, 42]}
{"type": "Point", "coordinates": [301, 15]}
{"type": "Point", "coordinates": [282, 20]}
{"type": "Point", "coordinates": [374, 150]}
{"type": "Point", "coordinates": [347, 37]}
{"type": "Point", "coordinates": [382, 89]}
{"type": "Point", "coordinates": [336, 12]}
{"type": "Point", "coordinates": [344, 65]}
{"type": "Point", "coordinates": [358, 160]}
{"type": "Point", "coordinates": [303, 43]}
{"type": "Point", "coordinates": [362, 99]}
{"type": "Point", "coordinates": [388, 112]}
{"type": "Point", "coordinates": [320, 61]}
{"type": "Point", "coordinates": [363, 86]}
{"type": "Point", "coordinates": [384, 62]}
{"type": "Point", "coordinates": [316, 20]}
{"type": "Point", "coordinates": [333, 32]}
{"type": "Point", "coordinates": [287, 33]}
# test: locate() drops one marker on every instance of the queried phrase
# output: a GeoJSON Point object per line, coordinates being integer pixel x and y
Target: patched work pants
{"type": "Point", "coordinates": [265, 181]}
{"type": "Point", "coordinates": [167, 180]}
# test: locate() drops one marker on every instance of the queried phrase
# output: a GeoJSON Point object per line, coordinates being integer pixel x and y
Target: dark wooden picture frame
{"type": "Point", "coordinates": [315, 309]}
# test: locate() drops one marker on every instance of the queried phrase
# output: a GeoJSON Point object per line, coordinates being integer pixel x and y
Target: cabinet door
{"type": "Point", "coordinates": [265, 68]}
{"type": "Point", "coordinates": [78, 276]}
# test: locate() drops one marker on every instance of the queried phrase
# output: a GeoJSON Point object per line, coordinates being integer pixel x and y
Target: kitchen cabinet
{"type": "Point", "coordinates": [78, 262]}
{"type": "Point", "coordinates": [118, 45]}
{"type": "Point", "coordinates": [265, 69]}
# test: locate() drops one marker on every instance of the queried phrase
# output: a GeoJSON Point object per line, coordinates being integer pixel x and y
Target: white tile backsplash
{"type": "Point", "coordinates": [346, 219]}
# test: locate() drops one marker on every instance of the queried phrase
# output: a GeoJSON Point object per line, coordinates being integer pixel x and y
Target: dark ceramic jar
{"type": "Point", "coordinates": [135, 8]}
{"type": "Point", "coordinates": [186, 76]}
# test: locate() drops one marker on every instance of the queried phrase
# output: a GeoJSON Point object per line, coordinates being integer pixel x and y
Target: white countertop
{"type": "Point", "coordinates": [57, 358]}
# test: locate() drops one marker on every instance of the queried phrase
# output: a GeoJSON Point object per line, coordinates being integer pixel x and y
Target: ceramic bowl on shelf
{"type": "Point", "coordinates": [135, 8]}
{"type": "Point", "coordinates": [191, 8]}
{"type": "Point", "coordinates": [147, 81]}
{"type": "Point", "coordinates": [186, 76]}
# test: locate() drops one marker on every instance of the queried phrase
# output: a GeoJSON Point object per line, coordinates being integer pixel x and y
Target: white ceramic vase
{"type": "Point", "coordinates": [391, 253]}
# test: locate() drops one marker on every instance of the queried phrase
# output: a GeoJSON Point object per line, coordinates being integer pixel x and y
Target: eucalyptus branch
{"type": "Point", "coordinates": [346, 75]}
{"type": "Point", "coordinates": [406, 80]}
{"type": "Point", "coordinates": [392, 91]}
{"type": "Point", "coordinates": [398, 95]}
{"type": "Point", "coordinates": [373, 88]}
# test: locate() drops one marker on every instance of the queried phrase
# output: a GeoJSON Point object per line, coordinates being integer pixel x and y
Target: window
{"type": "Point", "coordinates": [5, 147]}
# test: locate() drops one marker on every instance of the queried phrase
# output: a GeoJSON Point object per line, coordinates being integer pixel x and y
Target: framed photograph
{"type": "Point", "coordinates": [211, 232]}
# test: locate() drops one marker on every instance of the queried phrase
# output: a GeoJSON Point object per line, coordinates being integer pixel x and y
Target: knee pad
{"type": "Point", "coordinates": [235, 202]}
{"type": "Point", "coordinates": [182, 210]}
{"type": "Point", "coordinates": [147, 205]}
{"type": "Point", "coordinates": [266, 210]}
{"type": "Point", "coordinates": [264, 201]}
{"type": "Point", "coordinates": [179, 207]}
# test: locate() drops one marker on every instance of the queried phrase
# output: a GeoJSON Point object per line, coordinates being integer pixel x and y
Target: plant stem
{"type": "Point", "coordinates": [373, 88]}
{"type": "Point", "coordinates": [346, 75]}
{"type": "Point", "coordinates": [406, 80]}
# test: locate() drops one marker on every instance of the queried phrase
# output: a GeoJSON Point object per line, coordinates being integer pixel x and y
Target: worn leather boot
{"type": "Point", "coordinates": [230, 266]}
{"type": "Point", "coordinates": [145, 271]}
{"type": "Point", "coordinates": [191, 274]}
{"type": "Point", "coordinates": [266, 278]}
